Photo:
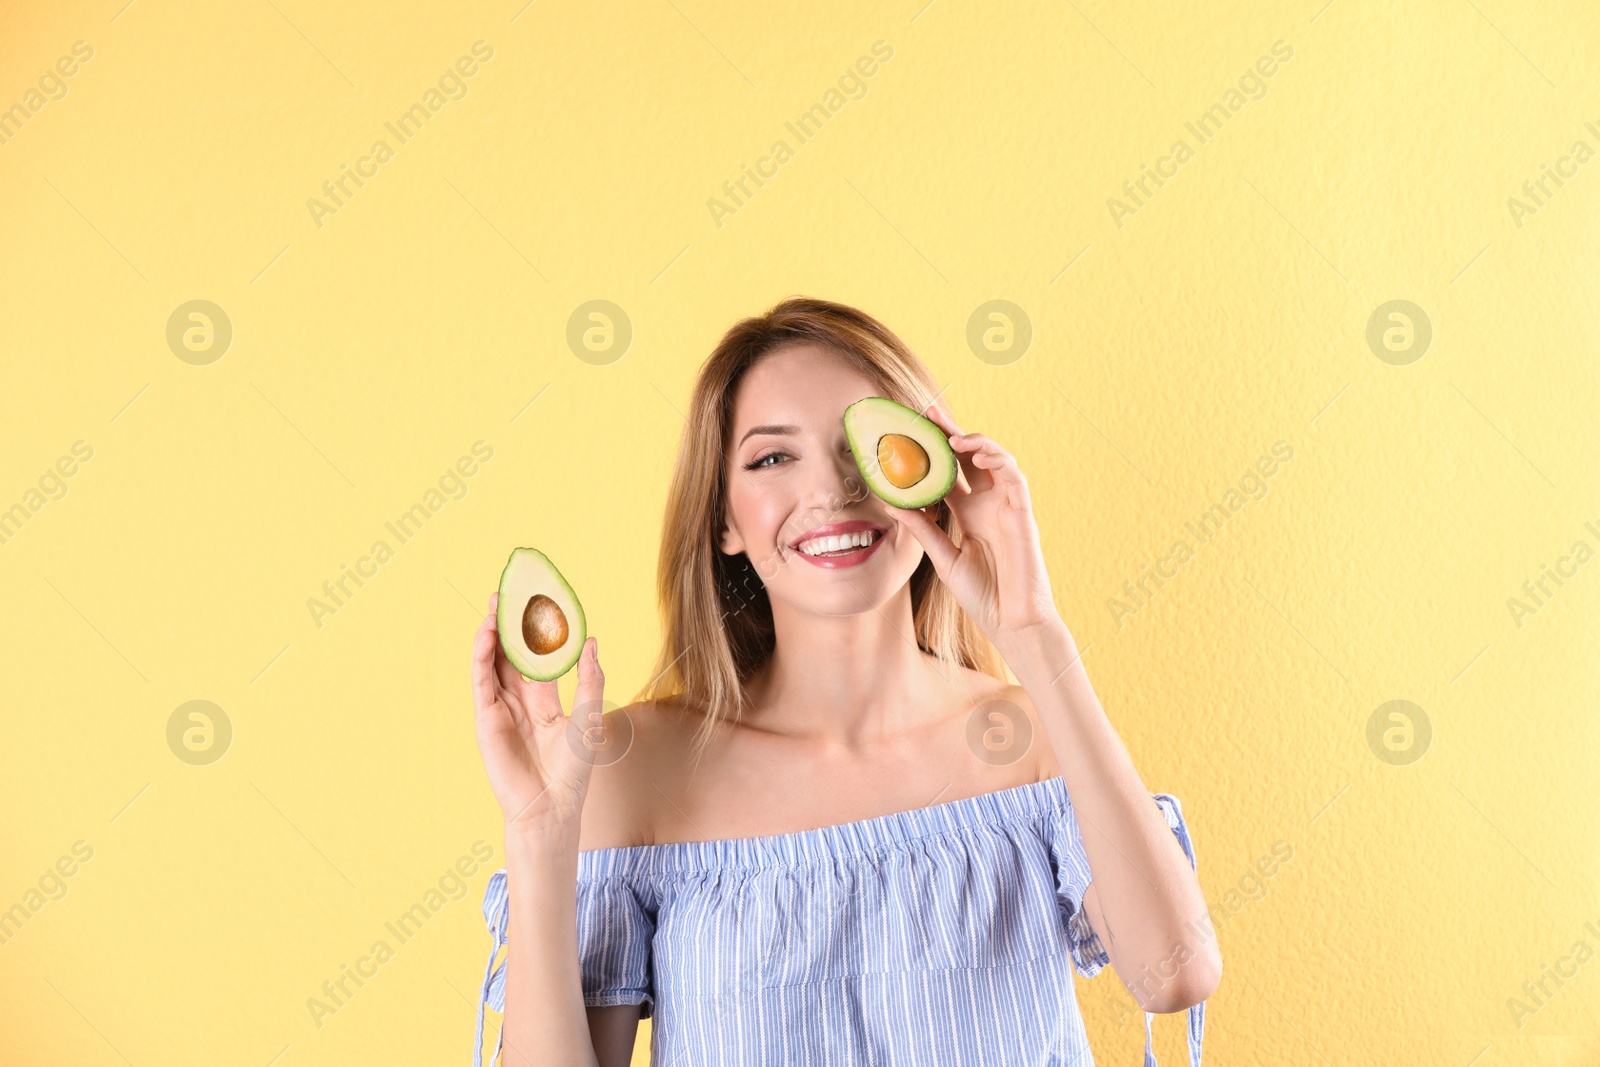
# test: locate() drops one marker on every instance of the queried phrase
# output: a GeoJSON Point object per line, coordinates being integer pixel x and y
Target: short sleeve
{"type": "Point", "coordinates": [616, 925]}
{"type": "Point", "coordinates": [492, 993]}
{"type": "Point", "coordinates": [1073, 877]}
{"type": "Point", "coordinates": [615, 929]}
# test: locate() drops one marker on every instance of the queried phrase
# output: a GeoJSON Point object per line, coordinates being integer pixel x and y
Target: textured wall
{"type": "Point", "coordinates": [357, 345]}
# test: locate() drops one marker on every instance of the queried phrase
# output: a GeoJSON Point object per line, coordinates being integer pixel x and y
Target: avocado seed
{"type": "Point", "coordinates": [903, 461]}
{"type": "Point", "coordinates": [544, 627]}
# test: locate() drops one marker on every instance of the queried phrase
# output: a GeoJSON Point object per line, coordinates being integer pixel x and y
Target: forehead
{"type": "Point", "coordinates": [799, 380]}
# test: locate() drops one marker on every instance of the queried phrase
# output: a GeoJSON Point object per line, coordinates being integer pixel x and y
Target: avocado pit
{"type": "Point", "coordinates": [904, 462]}
{"type": "Point", "coordinates": [544, 625]}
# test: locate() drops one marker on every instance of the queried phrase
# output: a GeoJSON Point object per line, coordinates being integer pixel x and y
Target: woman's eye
{"type": "Point", "coordinates": [762, 461]}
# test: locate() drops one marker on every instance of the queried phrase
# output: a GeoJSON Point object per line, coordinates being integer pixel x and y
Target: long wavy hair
{"type": "Point", "coordinates": [716, 617]}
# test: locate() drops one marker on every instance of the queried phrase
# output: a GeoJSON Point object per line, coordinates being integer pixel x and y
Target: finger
{"type": "Point", "coordinates": [963, 486]}
{"type": "Point", "coordinates": [941, 418]}
{"type": "Point", "coordinates": [509, 683]}
{"type": "Point", "coordinates": [587, 700]}
{"type": "Point", "coordinates": [935, 542]}
{"type": "Point", "coordinates": [541, 699]}
{"type": "Point", "coordinates": [987, 454]}
{"type": "Point", "coordinates": [979, 444]}
{"type": "Point", "coordinates": [975, 477]}
{"type": "Point", "coordinates": [484, 644]}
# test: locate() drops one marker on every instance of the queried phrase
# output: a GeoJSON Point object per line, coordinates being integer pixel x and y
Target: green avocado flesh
{"type": "Point", "coordinates": [904, 457]}
{"type": "Point", "coordinates": [541, 623]}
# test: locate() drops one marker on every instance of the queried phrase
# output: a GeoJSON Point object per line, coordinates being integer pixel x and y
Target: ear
{"type": "Point", "coordinates": [731, 543]}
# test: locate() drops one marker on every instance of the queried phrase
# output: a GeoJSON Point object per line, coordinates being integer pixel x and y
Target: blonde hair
{"type": "Point", "coordinates": [716, 617]}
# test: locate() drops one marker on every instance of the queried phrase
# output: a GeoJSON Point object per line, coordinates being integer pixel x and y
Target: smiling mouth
{"type": "Point", "coordinates": [839, 544]}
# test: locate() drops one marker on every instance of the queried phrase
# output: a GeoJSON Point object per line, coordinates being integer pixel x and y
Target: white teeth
{"type": "Point", "coordinates": [818, 546]}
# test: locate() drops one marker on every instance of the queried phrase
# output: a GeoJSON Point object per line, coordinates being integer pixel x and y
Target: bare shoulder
{"type": "Point", "coordinates": [1045, 766]}
{"type": "Point", "coordinates": [644, 745]}
{"type": "Point", "coordinates": [1040, 753]}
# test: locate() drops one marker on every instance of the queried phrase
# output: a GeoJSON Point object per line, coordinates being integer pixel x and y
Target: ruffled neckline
{"type": "Point", "coordinates": [829, 842]}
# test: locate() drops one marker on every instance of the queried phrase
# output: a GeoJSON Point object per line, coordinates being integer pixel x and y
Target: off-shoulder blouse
{"type": "Point", "coordinates": [936, 936]}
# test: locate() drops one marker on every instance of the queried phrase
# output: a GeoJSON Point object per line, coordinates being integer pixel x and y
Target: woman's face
{"type": "Point", "coordinates": [792, 484]}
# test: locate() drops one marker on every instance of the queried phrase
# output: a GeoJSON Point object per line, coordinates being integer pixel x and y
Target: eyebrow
{"type": "Point", "coordinates": [768, 430]}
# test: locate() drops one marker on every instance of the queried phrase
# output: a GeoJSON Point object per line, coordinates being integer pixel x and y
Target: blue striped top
{"type": "Point", "coordinates": [940, 935]}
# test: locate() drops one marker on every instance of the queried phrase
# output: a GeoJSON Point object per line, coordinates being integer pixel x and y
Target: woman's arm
{"type": "Point", "coordinates": [614, 1028]}
{"type": "Point", "coordinates": [540, 764]}
{"type": "Point", "coordinates": [1146, 894]}
{"type": "Point", "coordinates": [545, 1019]}
{"type": "Point", "coordinates": [545, 1023]}
{"type": "Point", "coordinates": [1148, 911]}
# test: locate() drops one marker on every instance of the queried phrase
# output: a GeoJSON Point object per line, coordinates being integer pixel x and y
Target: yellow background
{"type": "Point", "coordinates": [370, 353]}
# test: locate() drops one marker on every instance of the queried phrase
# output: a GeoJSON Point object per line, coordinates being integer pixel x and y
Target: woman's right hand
{"type": "Point", "coordinates": [537, 758]}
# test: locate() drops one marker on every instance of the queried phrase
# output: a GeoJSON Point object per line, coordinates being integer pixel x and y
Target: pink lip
{"type": "Point", "coordinates": [834, 529]}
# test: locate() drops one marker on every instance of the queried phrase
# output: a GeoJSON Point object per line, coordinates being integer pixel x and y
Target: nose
{"type": "Point", "coordinates": [837, 485]}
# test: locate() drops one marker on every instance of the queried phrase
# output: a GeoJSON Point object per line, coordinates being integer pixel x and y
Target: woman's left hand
{"type": "Point", "coordinates": [997, 573]}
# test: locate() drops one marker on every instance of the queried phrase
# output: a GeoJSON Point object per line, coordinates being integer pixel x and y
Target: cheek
{"type": "Point", "coordinates": [760, 513]}
{"type": "Point", "coordinates": [906, 546]}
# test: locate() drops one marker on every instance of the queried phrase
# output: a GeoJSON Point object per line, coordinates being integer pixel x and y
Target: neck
{"type": "Point", "coordinates": [847, 680]}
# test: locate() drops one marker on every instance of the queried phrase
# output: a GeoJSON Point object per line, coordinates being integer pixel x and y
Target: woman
{"type": "Point", "coordinates": [830, 831]}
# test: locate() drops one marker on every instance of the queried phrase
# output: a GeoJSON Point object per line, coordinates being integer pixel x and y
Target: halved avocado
{"type": "Point", "coordinates": [903, 456]}
{"type": "Point", "coordinates": [542, 628]}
